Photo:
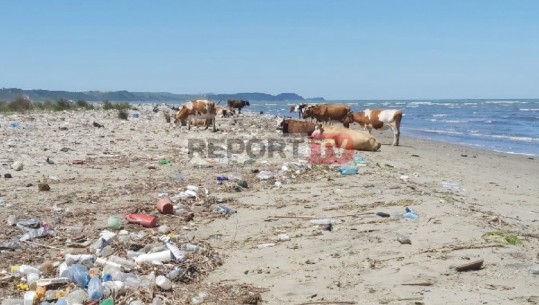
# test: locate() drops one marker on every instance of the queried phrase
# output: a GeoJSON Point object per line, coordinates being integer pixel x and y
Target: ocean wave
{"type": "Point", "coordinates": [529, 109]}
{"type": "Point", "coordinates": [438, 131]}
{"type": "Point", "coordinates": [505, 102]}
{"type": "Point", "coordinates": [439, 115]}
{"type": "Point", "coordinates": [506, 137]}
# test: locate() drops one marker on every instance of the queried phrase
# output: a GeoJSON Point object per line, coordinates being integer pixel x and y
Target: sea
{"type": "Point", "coordinates": [509, 126]}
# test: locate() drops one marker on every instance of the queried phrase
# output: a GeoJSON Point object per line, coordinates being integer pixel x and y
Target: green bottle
{"type": "Point", "coordinates": [108, 301]}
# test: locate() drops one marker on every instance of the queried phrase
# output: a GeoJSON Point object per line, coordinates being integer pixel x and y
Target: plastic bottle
{"type": "Point", "coordinates": [70, 259]}
{"type": "Point", "coordinates": [348, 170]}
{"type": "Point", "coordinates": [115, 261]}
{"type": "Point", "coordinates": [359, 161]}
{"type": "Point", "coordinates": [163, 256]}
{"type": "Point", "coordinates": [325, 221]}
{"type": "Point", "coordinates": [194, 248]}
{"type": "Point", "coordinates": [175, 273]}
{"type": "Point", "coordinates": [163, 283]}
{"type": "Point", "coordinates": [176, 253]}
{"type": "Point", "coordinates": [31, 279]}
{"type": "Point", "coordinates": [78, 296]}
{"type": "Point", "coordinates": [95, 289]}
{"type": "Point", "coordinates": [224, 209]}
{"type": "Point", "coordinates": [78, 274]}
{"type": "Point", "coordinates": [29, 297]}
{"type": "Point", "coordinates": [113, 289]}
{"type": "Point", "coordinates": [410, 214]}
{"type": "Point", "coordinates": [13, 302]}
{"type": "Point", "coordinates": [26, 269]}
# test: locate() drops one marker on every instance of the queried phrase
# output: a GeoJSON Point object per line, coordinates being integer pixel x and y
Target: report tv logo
{"type": "Point", "coordinates": [319, 151]}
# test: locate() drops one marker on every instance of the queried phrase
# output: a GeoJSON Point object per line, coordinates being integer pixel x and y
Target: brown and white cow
{"type": "Point", "coordinates": [224, 112]}
{"type": "Point", "coordinates": [198, 110]}
{"type": "Point", "coordinates": [347, 139]}
{"type": "Point", "coordinates": [238, 104]}
{"type": "Point", "coordinates": [379, 119]}
{"type": "Point", "coordinates": [297, 127]}
{"type": "Point", "coordinates": [327, 113]}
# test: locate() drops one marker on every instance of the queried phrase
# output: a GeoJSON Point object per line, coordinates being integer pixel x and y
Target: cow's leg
{"type": "Point", "coordinates": [213, 123]}
{"type": "Point", "coordinates": [396, 135]}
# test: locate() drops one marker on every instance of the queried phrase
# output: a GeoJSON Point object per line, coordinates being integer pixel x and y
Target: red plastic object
{"type": "Point", "coordinates": [145, 220]}
{"type": "Point", "coordinates": [77, 162]}
{"type": "Point", "coordinates": [164, 206]}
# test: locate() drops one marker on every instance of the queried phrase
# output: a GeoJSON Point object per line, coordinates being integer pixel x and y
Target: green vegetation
{"type": "Point", "coordinates": [508, 237]}
{"type": "Point", "coordinates": [23, 104]}
{"type": "Point", "coordinates": [122, 114]}
{"type": "Point", "coordinates": [119, 106]}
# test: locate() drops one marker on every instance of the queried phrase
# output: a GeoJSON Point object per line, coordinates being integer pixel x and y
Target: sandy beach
{"type": "Point", "coordinates": [472, 205]}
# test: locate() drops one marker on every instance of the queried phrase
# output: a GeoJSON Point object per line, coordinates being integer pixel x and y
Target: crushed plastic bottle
{"type": "Point", "coordinates": [226, 210]}
{"type": "Point", "coordinates": [410, 214]}
{"type": "Point", "coordinates": [163, 283]}
{"type": "Point", "coordinates": [348, 170]}
{"type": "Point", "coordinates": [95, 288]}
{"type": "Point", "coordinates": [78, 274]}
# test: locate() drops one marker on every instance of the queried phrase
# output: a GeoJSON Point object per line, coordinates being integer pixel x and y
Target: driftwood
{"type": "Point", "coordinates": [461, 247]}
{"type": "Point", "coordinates": [330, 303]}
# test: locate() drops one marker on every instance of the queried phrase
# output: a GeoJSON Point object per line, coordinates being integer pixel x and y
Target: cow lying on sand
{"type": "Point", "coordinates": [198, 110]}
{"type": "Point", "coordinates": [347, 139]}
{"type": "Point", "coordinates": [297, 127]}
{"type": "Point", "coordinates": [379, 119]}
{"type": "Point", "coordinates": [238, 104]}
{"type": "Point", "coordinates": [327, 113]}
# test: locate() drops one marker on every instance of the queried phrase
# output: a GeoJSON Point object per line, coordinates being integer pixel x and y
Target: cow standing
{"type": "Point", "coordinates": [196, 110]}
{"type": "Point", "coordinates": [327, 113]}
{"type": "Point", "coordinates": [379, 119]}
{"type": "Point", "coordinates": [238, 104]}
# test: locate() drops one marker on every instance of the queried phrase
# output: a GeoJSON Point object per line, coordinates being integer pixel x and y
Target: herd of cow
{"type": "Point", "coordinates": [203, 113]}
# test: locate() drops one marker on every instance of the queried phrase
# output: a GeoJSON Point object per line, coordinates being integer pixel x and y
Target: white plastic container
{"type": "Point", "coordinates": [26, 269]}
{"type": "Point", "coordinates": [325, 221]}
{"type": "Point", "coordinates": [163, 283]}
{"type": "Point", "coordinates": [78, 258]}
{"type": "Point", "coordinates": [163, 256]}
{"type": "Point", "coordinates": [29, 297]}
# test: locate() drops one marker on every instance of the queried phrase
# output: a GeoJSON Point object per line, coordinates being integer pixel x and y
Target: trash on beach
{"type": "Point", "coordinates": [267, 245]}
{"type": "Point", "coordinates": [145, 220]}
{"type": "Point", "coordinates": [348, 170]}
{"type": "Point", "coordinates": [265, 175]}
{"type": "Point", "coordinates": [382, 214]}
{"type": "Point", "coordinates": [17, 166]}
{"type": "Point", "coordinates": [165, 162]}
{"type": "Point", "coordinates": [453, 186]}
{"type": "Point", "coordinates": [359, 160]}
{"type": "Point", "coordinates": [226, 210]}
{"type": "Point", "coordinates": [404, 240]}
{"type": "Point", "coordinates": [475, 265]}
{"type": "Point", "coordinates": [164, 206]}
{"type": "Point", "coordinates": [410, 214]}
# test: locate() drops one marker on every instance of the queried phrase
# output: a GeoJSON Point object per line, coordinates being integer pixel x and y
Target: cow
{"type": "Point", "coordinates": [347, 139]}
{"type": "Point", "coordinates": [379, 119]}
{"type": "Point", "coordinates": [298, 108]}
{"type": "Point", "coordinates": [224, 112]}
{"type": "Point", "coordinates": [327, 113]}
{"type": "Point", "coordinates": [197, 109]}
{"type": "Point", "coordinates": [238, 104]}
{"type": "Point", "coordinates": [297, 127]}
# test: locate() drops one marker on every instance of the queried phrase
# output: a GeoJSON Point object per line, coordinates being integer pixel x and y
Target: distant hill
{"type": "Point", "coordinates": [38, 95]}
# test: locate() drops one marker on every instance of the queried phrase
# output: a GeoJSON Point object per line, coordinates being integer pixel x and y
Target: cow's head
{"type": "Point", "coordinates": [283, 126]}
{"type": "Point", "coordinates": [318, 130]}
{"type": "Point", "coordinates": [245, 103]}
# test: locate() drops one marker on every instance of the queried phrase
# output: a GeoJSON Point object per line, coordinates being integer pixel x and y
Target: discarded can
{"type": "Point", "coordinates": [165, 206]}
{"type": "Point", "coordinates": [145, 220]}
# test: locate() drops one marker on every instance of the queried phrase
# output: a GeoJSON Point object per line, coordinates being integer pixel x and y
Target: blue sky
{"type": "Point", "coordinates": [335, 49]}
